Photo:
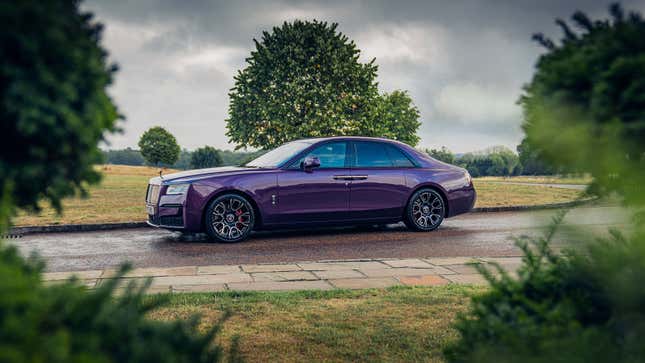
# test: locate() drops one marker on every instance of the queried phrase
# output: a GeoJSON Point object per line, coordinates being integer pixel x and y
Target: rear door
{"type": "Point", "coordinates": [321, 195]}
{"type": "Point", "coordinates": [378, 189]}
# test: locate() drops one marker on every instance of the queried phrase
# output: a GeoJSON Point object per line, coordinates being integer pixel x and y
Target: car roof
{"type": "Point", "coordinates": [356, 138]}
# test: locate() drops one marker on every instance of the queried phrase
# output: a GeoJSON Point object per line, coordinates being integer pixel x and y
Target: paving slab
{"type": "Point", "coordinates": [154, 271]}
{"type": "Point", "coordinates": [345, 265]}
{"type": "Point", "coordinates": [405, 271]}
{"type": "Point", "coordinates": [280, 286]}
{"type": "Point", "coordinates": [442, 261]}
{"type": "Point", "coordinates": [504, 260]}
{"type": "Point", "coordinates": [338, 274]}
{"type": "Point", "coordinates": [271, 268]}
{"type": "Point", "coordinates": [218, 269]}
{"type": "Point", "coordinates": [284, 276]}
{"type": "Point", "coordinates": [426, 280]}
{"type": "Point", "coordinates": [462, 269]}
{"type": "Point", "coordinates": [474, 279]}
{"type": "Point", "coordinates": [201, 279]}
{"type": "Point", "coordinates": [410, 262]}
{"type": "Point", "coordinates": [198, 288]}
{"type": "Point", "coordinates": [89, 274]}
{"type": "Point", "coordinates": [365, 283]}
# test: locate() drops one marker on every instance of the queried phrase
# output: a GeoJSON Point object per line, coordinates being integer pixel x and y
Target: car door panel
{"type": "Point", "coordinates": [377, 193]}
{"type": "Point", "coordinates": [378, 189]}
{"type": "Point", "coordinates": [318, 196]}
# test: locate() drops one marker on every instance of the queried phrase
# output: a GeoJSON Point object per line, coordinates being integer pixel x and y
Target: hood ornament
{"type": "Point", "coordinates": [160, 172]}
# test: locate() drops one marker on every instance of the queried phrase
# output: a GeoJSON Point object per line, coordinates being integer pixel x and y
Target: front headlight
{"type": "Point", "coordinates": [177, 189]}
{"type": "Point", "coordinates": [469, 179]}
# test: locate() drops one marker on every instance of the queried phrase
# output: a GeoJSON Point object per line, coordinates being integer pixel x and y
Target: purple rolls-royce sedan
{"type": "Point", "coordinates": [313, 182]}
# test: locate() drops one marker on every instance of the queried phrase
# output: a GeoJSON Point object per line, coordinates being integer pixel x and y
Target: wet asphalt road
{"type": "Point", "coordinates": [475, 234]}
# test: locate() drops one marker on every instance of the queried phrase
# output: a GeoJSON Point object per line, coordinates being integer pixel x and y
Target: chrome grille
{"type": "Point", "coordinates": [153, 194]}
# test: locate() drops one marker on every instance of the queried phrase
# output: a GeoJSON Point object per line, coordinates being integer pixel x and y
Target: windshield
{"type": "Point", "coordinates": [279, 155]}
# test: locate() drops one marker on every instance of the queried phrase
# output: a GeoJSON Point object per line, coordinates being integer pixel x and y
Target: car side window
{"type": "Point", "coordinates": [331, 155]}
{"type": "Point", "coordinates": [398, 158]}
{"type": "Point", "coordinates": [371, 155]}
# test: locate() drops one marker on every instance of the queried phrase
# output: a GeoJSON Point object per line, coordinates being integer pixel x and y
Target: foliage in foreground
{"type": "Point", "coordinates": [584, 306]}
{"type": "Point", "coordinates": [55, 108]}
{"type": "Point", "coordinates": [68, 323]}
{"type": "Point", "coordinates": [585, 106]}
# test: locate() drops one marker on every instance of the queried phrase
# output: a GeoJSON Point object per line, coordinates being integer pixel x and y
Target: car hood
{"type": "Point", "coordinates": [197, 174]}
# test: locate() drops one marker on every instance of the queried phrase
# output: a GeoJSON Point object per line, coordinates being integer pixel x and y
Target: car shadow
{"type": "Point", "coordinates": [295, 232]}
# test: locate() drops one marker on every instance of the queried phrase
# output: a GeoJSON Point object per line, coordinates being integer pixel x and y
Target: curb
{"type": "Point", "coordinates": [516, 208]}
{"type": "Point", "coordinates": [66, 228]}
{"type": "Point", "coordinates": [69, 228]}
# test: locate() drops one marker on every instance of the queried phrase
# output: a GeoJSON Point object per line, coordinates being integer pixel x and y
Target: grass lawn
{"type": "Point", "coordinates": [396, 324]}
{"type": "Point", "coordinates": [545, 179]}
{"type": "Point", "coordinates": [491, 194]}
{"type": "Point", "coordinates": [120, 198]}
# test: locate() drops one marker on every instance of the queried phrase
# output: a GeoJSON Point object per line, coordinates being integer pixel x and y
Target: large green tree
{"type": "Point", "coordinates": [304, 79]}
{"type": "Point", "coordinates": [585, 106]}
{"type": "Point", "coordinates": [54, 108]}
{"type": "Point", "coordinates": [159, 146]}
{"type": "Point", "coordinates": [205, 157]}
{"type": "Point", "coordinates": [395, 117]}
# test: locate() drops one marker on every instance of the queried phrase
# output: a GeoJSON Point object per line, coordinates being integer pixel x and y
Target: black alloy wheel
{"type": "Point", "coordinates": [229, 218]}
{"type": "Point", "coordinates": [425, 211]}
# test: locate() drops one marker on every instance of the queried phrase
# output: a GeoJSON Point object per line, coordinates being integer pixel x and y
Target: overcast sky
{"type": "Point", "coordinates": [463, 62]}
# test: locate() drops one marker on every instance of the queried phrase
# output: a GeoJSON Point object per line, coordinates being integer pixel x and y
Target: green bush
{"type": "Point", "coordinates": [68, 323]}
{"type": "Point", "coordinates": [584, 306]}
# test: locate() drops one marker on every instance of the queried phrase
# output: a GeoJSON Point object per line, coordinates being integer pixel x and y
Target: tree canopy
{"type": "Point", "coordinates": [304, 79]}
{"type": "Point", "coordinates": [159, 146]}
{"type": "Point", "coordinates": [205, 157]}
{"type": "Point", "coordinates": [585, 106]}
{"type": "Point", "coordinates": [55, 108]}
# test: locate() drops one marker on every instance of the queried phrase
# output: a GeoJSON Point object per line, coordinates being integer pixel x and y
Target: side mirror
{"type": "Point", "coordinates": [310, 163]}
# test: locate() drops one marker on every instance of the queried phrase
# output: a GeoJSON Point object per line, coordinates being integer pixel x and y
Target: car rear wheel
{"type": "Point", "coordinates": [425, 211]}
{"type": "Point", "coordinates": [229, 218]}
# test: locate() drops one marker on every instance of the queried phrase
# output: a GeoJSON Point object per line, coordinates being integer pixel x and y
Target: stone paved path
{"type": "Point", "coordinates": [322, 275]}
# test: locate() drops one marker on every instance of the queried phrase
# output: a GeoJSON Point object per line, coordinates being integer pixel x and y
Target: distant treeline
{"type": "Point", "coordinates": [494, 161]}
{"type": "Point", "coordinates": [129, 156]}
{"type": "Point", "coordinates": [497, 161]}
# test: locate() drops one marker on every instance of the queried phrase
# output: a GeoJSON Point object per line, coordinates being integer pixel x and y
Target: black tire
{"type": "Point", "coordinates": [425, 210]}
{"type": "Point", "coordinates": [229, 218]}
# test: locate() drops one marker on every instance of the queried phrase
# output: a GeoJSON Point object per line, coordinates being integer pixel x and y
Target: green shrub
{"type": "Point", "coordinates": [68, 323]}
{"type": "Point", "coordinates": [583, 306]}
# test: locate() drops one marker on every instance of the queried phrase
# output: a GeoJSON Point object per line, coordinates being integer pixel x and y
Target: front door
{"type": "Point", "coordinates": [321, 195]}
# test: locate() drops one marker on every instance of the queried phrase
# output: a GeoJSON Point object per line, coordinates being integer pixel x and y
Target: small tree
{"type": "Point", "coordinates": [159, 146]}
{"type": "Point", "coordinates": [55, 108]}
{"type": "Point", "coordinates": [205, 157]}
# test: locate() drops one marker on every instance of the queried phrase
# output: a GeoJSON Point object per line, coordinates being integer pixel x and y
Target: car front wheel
{"type": "Point", "coordinates": [425, 211]}
{"type": "Point", "coordinates": [229, 218]}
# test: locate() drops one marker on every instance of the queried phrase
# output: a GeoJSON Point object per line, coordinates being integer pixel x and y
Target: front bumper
{"type": "Point", "coordinates": [165, 211]}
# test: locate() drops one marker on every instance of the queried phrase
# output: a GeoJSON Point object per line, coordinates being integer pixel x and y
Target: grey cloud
{"type": "Point", "coordinates": [178, 59]}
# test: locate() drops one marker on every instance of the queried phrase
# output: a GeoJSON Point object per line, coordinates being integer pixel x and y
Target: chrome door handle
{"type": "Point", "coordinates": [350, 177]}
